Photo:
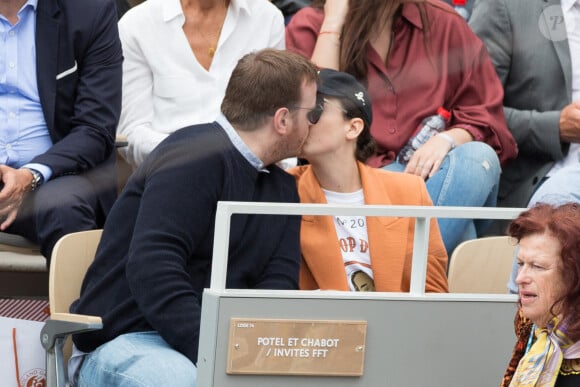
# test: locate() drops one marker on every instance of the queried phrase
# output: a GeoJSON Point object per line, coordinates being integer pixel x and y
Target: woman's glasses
{"type": "Point", "coordinates": [314, 114]}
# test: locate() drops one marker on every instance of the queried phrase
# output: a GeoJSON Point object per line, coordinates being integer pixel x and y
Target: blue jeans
{"type": "Point", "coordinates": [468, 177]}
{"type": "Point", "coordinates": [137, 359]}
{"type": "Point", "coordinates": [560, 188]}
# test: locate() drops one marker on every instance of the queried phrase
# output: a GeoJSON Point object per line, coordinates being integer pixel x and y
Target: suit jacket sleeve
{"type": "Point", "coordinates": [85, 137]}
{"type": "Point", "coordinates": [307, 280]}
{"type": "Point", "coordinates": [536, 133]}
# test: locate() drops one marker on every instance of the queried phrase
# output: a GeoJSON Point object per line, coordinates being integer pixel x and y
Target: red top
{"type": "Point", "coordinates": [455, 72]}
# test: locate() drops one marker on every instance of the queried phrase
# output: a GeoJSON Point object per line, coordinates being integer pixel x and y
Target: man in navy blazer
{"type": "Point", "coordinates": [60, 100]}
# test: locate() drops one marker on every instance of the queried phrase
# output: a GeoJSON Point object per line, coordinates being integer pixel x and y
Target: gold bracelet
{"type": "Point", "coordinates": [329, 33]}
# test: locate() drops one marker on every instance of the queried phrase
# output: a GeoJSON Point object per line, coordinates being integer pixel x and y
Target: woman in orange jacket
{"type": "Point", "coordinates": [355, 252]}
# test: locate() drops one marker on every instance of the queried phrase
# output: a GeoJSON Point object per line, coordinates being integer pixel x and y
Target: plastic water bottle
{"type": "Point", "coordinates": [429, 127]}
{"type": "Point", "coordinates": [460, 8]}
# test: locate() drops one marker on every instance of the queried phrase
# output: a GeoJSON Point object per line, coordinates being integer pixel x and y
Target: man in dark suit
{"type": "Point", "coordinates": [534, 47]}
{"type": "Point", "coordinates": [60, 99]}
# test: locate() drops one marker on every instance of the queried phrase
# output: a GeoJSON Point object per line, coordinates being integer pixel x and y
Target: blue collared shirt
{"type": "Point", "coordinates": [240, 145]}
{"type": "Point", "coordinates": [23, 130]}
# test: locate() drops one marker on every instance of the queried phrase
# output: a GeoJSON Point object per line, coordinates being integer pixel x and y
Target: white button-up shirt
{"type": "Point", "coordinates": [165, 88]}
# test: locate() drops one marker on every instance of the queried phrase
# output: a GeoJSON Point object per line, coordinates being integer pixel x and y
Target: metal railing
{"type": "Point", "coordinates": [422, 215]}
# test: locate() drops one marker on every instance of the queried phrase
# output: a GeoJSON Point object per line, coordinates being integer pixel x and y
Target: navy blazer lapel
{"type": "Point", "coordinates": [554, 27]}
{"type": "Point", "coordinates": [47, 38]}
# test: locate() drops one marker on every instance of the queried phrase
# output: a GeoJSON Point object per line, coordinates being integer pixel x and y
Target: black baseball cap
{"type": "Point", "coordinates": [338, 84]}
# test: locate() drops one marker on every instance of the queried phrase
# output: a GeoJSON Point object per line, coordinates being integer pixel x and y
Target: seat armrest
{"type": "Point", "coordinates": [53, 336]}
{"type": "Point", "coordinates": [64, 324]}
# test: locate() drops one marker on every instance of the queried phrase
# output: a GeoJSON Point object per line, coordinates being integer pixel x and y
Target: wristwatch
{"type": "Point", "coordinates": [37, 179]}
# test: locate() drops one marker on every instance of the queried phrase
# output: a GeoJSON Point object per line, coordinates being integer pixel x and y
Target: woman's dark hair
{"type": "Point", "coordinates": [563, 223]}
{"type": "Point", "coordinates": [362, 16]}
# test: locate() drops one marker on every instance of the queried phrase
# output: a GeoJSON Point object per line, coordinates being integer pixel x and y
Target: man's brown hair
{"type": "Point", "coordinates": [263, 82]}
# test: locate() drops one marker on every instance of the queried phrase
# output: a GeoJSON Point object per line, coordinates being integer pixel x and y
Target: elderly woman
{"type": "Point", "coordinates": [548, 322]}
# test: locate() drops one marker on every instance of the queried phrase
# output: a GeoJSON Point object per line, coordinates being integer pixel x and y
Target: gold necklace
{"type": "Point", "coordinates": [212, 47]}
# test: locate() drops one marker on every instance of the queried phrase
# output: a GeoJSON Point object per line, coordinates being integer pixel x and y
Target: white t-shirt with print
{"type": "Point", "coordinates": [352, 235]}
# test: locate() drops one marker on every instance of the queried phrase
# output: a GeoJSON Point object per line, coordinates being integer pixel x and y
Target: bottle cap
{"type": "Point", "coordinates": [459, 2]}
{"type": "Point", "coordinates": [444, 113]}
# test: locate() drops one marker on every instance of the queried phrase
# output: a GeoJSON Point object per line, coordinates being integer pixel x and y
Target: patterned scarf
{"type": "Point", "coordinates": [540, 366]}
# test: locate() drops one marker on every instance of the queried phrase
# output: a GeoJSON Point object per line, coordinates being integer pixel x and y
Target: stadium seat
{"type": "Point", "coordinates": [481, 265]}
{"type": "Point", "coordinates": [71, 257]}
